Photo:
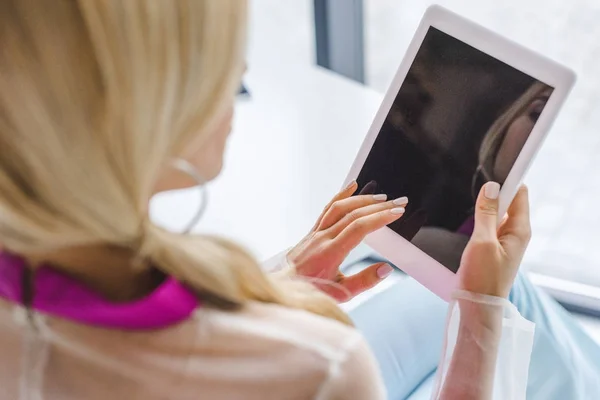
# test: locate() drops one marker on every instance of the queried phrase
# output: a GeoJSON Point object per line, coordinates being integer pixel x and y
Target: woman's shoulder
{"type": "Point", "coordinates": [278, 346]}
{"type": "Point", "coordinates": [262, 351]}
{"type": "Point", "coordinates": [278, 327]}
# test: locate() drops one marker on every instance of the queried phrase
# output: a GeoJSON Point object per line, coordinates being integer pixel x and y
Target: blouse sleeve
{"type": "Point", "coordinates": [277, 264]}
{"type": "Point", "coordinates": [487, 350]}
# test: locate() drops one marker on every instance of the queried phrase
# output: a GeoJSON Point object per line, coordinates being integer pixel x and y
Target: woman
{"type": "Point", "coordinates": [504, 140]}
{"type": "Point", "coordinates": [103, 104]}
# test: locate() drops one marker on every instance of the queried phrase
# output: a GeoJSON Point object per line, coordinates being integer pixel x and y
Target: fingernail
{"type": "Point", "coordinates": [491, 190]}
{"type": "Point", "coordinates": [380, 197]}
{"type": "Point", "coordinates": [384, 271]}
{"type": "Point", "coordinates": [401, 201]}
{"type": "Point", "coordinates": [352, 183]}
{"type": "Point", "coordinates": [397, 210]}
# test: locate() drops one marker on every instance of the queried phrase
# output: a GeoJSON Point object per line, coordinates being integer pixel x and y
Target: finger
{"type": "Point", "coordinates": [486, 211]}
{"type": "Point", "coordinates": [344, 194]}
{"type": "Point", "coordinates": [356, 231]}
{"type": "Point", "coordinates": [369, 188]}
{"type": "Point", "coordinates": [342, 208]}
{"type": "Point", "coordinates": [363, 211]}
{"type": "Point", "coordinates": [517, 223]}
{"type": "Point", "coordinates": [365, 279]}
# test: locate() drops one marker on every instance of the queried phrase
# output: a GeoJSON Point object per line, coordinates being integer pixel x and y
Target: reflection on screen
{"type": "Point", "coordinates": [459, 120]}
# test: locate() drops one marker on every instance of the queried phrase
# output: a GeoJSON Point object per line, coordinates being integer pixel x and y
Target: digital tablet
{"type": "Point", "coordinates": [465, 107]}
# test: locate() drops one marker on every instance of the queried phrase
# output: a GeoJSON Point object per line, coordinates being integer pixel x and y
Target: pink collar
{"type": "Point", "coordinates": [60, 295]}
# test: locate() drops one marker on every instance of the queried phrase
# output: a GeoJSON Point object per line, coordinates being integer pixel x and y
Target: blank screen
{"type": "Point", "coordinates": [460, 119]}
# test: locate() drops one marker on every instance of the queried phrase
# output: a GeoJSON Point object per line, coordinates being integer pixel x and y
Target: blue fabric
{"type": "Point", "coordinates": [405, 325]}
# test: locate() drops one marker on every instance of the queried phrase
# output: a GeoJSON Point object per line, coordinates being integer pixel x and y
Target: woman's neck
{"type": "Point", "coordinates": [107, 270]}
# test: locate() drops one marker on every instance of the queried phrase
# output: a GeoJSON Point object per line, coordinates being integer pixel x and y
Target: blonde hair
{"type": "Point", "coordinates": [495, 135]}
{"type": "Point", "coordinates": [96, 98]}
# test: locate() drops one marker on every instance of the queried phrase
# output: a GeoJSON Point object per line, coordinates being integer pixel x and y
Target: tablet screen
{"type": "Point", "coordinates": [460, 119]}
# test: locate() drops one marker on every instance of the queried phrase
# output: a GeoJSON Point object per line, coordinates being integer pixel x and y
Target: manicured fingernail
{"type": "Point", "coordinates": [401, 201]}
{"type": "Point", "coordinates": [352, 183]}
{"type": "Point", "coordinates": [491, 190]}
{"type": "Point", "coordinates": [384, 271]}
{"type": "Point", "coordinates": [380, 197]}
{"type": "Point", "coordinates": [397, 210]}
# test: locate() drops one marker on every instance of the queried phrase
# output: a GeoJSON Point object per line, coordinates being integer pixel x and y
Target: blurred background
{"type": "Point", "coordinates": [365, 40]}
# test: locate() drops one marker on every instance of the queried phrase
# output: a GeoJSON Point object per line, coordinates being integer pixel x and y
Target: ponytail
{"type": "Point", "coordinates": [225, 276]}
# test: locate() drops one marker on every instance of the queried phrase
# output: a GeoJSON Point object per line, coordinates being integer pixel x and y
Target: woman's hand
{"type": "Point", "coordinates": [344, 223]}
{"type": "Point", "coordinates": [492, 257]}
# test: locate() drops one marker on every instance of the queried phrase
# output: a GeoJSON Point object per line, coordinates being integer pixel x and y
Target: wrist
{"type": "Point", "coordinates": [489, 289]}
{"type": "Point", "coordinates": [480, 313]}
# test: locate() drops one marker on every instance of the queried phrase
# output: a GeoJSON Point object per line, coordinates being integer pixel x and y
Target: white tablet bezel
{"type": "Point", "coordinates": [388, 243]}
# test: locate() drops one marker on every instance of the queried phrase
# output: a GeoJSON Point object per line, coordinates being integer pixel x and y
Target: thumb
{"type": "Point", "coordinates": [366, 279]}
{"type": "Point", "coordinates": [486, 211]}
